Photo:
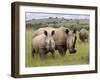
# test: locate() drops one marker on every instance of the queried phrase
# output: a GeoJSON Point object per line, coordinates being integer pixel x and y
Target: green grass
{"type": "Point", "coordinates": [81, 57]}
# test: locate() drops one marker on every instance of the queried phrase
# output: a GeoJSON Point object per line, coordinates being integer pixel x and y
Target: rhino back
{"type": "Point", "coordinates": [41, 31]}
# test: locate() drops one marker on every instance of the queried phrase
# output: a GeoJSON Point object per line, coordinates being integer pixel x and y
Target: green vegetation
{"type": "Point", "coordinates": [57, 22]}
{"type": "Point", "coordinates": [81, 57]}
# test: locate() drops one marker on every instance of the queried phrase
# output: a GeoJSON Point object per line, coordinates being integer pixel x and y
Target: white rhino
{"type": "Point", "coordinates": [83, 35]}
{"type": "Point", "coordinates": [43, 44]}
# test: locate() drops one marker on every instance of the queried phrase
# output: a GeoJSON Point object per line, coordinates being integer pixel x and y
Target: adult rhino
{"type": "Point", "coordinates": [65, 39]}
{"type": "Point", "coordinates": [60, 40]}
{"type": "Point", "coordinates": [43, 44]}
{"type": "Point", "coordinates": [83, 35]}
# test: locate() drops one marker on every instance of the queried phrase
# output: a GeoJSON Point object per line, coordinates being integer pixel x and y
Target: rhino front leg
{"type": "Point", "coordinates": [61, 50]}
{"type": "Point", "coordinates": [53, 53]}
{"type": "Point", "coordinates": [33, 52]}
{"type": "Point", "coordinates": [42, 53]}
{"type": "Point", "coordinates": [64, 49]}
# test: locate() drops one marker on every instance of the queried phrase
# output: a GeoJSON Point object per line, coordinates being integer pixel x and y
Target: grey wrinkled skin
{"type": "Point", "coordinates": [43, 44]}
{"type": "Point", "coordinates": [71, 40]}
{"type": "Point", "coordinates": [83, 35]}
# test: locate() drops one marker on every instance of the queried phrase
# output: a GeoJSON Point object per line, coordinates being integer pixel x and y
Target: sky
{"type": "Point", "coordinates": [32, 15]}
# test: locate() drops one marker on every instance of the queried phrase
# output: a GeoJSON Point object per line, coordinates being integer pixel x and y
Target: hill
{"type": "Point", "coordinates": [57, 22]}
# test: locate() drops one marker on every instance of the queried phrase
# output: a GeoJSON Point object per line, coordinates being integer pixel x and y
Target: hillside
{"type": "Point", "coordinates": [57, 22]}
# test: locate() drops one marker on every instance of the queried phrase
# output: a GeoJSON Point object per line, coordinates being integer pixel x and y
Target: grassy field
{"type": "Point", "coordinates": [81, 57]}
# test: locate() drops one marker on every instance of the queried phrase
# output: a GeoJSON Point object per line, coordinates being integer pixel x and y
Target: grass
{"type": "Point", "coordinates": [81, 57]}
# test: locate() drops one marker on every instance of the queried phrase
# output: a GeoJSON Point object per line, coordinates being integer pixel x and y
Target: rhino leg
{"type": "Point", "coordinates": [62, 50]}
{"type": "Point", "coordinates": [53, 53]}
{"type": "Point", "coordinates": [42, 53]}
{"type": "Point", "coordinates": [33, 52]}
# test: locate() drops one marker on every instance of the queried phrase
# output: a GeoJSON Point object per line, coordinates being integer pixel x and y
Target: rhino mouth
{"type": "Point", "coordinates": [72, 51]}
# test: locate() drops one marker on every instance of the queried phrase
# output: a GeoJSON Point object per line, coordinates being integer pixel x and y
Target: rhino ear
{"type": "Point", "coordinates": [53, 32]}
{"type": "Point", "coordinates": [45, 32]}
{"type": "Point", "coordinates": [67, 31]}
{"type": "Point", "coordinates": [74, 31]}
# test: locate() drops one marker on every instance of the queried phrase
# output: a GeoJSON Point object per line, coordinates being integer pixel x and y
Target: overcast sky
{"type": "Point", "coordinates": [30, 16]}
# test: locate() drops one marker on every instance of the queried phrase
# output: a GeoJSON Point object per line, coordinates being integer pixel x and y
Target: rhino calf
{"type": "Point", "coordinates": [43, 44]}
{"type": "Point", "coordinates": [83, 35]}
